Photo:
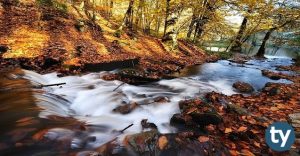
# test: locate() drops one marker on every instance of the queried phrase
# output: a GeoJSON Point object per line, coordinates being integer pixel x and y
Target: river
{"type": "Point", "coordinates": [79, 115]}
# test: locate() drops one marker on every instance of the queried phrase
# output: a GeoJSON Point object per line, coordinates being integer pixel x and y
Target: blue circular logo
{"type": "Point", "coordinates": [280, 136]}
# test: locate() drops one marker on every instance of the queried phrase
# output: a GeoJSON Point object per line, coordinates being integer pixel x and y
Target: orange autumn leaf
{"type": "Point", "coordinates": [162, 142]}
{"type": "Point", "coordinates": [247, 152]}
{"type": "Point", "coordinates": [242, 129]}
{"type": "Point", "coordinates": [203, 139]}
{"type": "Point", "coordinates": [274, 109]}
{"type": "Point", "coordinates": [25, 119]}
{"type": "Point", "coordinates": [233, 152]}
{"type": "Point", "coordinates": [40, 135]}
{"type": "Point", "coordinates": [254, 131]}
{"type": "Point", "coordinates": [228, 130]}
{"type": "Point", "coordinates": [257, 144]}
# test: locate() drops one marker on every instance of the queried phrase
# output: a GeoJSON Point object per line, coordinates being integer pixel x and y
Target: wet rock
{"type": "Point", "coordinates": [177, 119]}
{"type": "Point", "coordinates": [272, 89]}
{"type": "Point", "coordinates": [148, 125]}
{"type": "Point", "coordinates": [243, 87]}
{"type": "Point", "coordinates": [142, 143]}
{"type": "Point", "coordinates": [237, 109]}
{"type": "Point", "coordinates": [161, 99]}
{"type": "Point", "coordinates": [49, 62]}
{"type": "Point", "coordinates": [295, 120]}
{"type": "Point", "coordinates": [200, 112]}
{"type": "Point", "coordinates": [181, 122]}
{"type": "Point", "coordinates": [238, 58]}
{"type": "Point", "coordinates": [271, 75]}
{"type": "Point", "coordinates": [204, 119]}
{"type": "Point", "coordinates": [3, 48]}
{"type": "Point", "coordinates": [126, 109]}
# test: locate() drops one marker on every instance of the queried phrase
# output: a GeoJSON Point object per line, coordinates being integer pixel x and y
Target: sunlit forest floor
{"type": "Point", "coordinates": [34, 34]}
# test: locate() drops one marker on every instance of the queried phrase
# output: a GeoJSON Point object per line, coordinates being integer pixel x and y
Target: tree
{"type": "Point", "coordinates": [282, 16]}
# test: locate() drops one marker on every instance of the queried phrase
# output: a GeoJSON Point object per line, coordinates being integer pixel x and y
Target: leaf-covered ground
{"type": "Point", "coordinates": [45, 39]}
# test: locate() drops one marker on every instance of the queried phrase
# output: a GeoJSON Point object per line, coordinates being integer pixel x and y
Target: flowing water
{"type": "Point", "coordinates": [79, 115]}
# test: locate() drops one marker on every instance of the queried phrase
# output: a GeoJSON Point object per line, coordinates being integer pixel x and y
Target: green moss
{"type": "Point", "coordinates": [225, 55]}
{"type": "Point", "coordinates": [222, 55]}
{"type": "Point", "coordinates": [51, 3]}
{"type": "Point", "coordinates": [118, 33]}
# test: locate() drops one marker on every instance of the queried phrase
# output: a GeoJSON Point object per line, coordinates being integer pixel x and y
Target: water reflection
{"type": "Point", "coordinates": [285, 52]}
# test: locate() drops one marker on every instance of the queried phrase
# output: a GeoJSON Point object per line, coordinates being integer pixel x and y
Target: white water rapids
{"type": "Point", "coordinates": [90, 99]}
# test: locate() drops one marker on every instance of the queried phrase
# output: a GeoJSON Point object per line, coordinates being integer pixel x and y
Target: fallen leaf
{"type": "Point", "coordinates": [39, 135]}
{"type": "Point", "coordinates": [228, 130]}
{"type": "Point", "coordinates": [162, 142]}
{"type": "Point", "coordinates": [242, 129]}
{"type": "Point", "coordinates": [257, 144]}
{"type": "Point", "coordinates": [274, 109]}
{"type": "Point", "coordinates": [203, 139]}
{"type": "Point", "coordinates": [254, 131]}
{"type": "Point", "coordinates": [25, 119]}
{"type": "Point", "coordinates": [246, 152]}
{"type": "Point", "coordinates": [233, 152]}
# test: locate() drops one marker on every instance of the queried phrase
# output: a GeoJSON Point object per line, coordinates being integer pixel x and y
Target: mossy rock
{"type": "Point", "coordinates": [118, 33]}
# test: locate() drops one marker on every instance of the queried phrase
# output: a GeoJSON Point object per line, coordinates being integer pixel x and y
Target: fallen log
{"type": "Point", "coordinates": [108, 66]}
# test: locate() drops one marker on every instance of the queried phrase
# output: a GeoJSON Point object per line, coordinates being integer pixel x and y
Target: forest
{"type": "Point", "coordinates": [149, 77]}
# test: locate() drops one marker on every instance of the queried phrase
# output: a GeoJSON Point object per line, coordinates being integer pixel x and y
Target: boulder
{"type": "Point", "coordinates": [272, 89]}
{"type": "Point", "coordinates": [243, 87]}
{"type": "Point", "coordinates": [142, 143]}
{"type": "Point", "coordinates": [148, 125]}
{"type": "Point", "coordinates": [3, 48]}
{"type": "Point", "coordinates": [237, 109]}
{"type": "Point", "coordinates": [271, 75]}
{"type": "Point", "coordinates": [126, 109]}
{"type": "Point", "coordinates": [200, 112]}
{"type": "Point", "coordinates": [206, 118]}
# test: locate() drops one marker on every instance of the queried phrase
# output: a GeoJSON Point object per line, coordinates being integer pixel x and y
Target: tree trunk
{"type": "Point", "coordinates": [191, 27]}
{"type": "Point", "coordinates": [166, 16]}
{"type": "Point", "coordinates": [262, 48]}
{"type": "Point", "coordinates": [127, 20]}
{"type": "Point", "coordinates": [111, 5]}
{"type": "Point", "coordinates": [139, 14]}
{"type": "Point", "coordinates": [158, 19]}
{"type": "Point", "coordinates": [94, 11]}
{"type": "Point", "coordinates": [237, 43]}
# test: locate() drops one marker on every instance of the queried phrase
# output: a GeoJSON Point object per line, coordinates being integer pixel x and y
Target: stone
{"type": "Point", "coordinates": [239, 110]}
{"type": "Point", "coordinates": [161, 99]}
{"type": "Point", "coordinates": [126, 109]}
{"type": "Point", "coordinates": [145, 125]}
{"type": "Point", "coordinates": [243, 87]}
{"type": "Point", "coordinates": [144, 142]}
{"type": "Point", "coordinates": [204, 119]}
{"type": "Point", "coordinates": [271, 75]}
{"type": "Point", "coordinates": [3, 48]}
{"type": "Point", "coordinates": [272, 88]}
{"type": "Point", "coordinates": [177, 119]}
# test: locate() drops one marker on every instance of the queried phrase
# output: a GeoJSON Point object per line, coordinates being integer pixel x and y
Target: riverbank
{"type": "Point", "coordinates": [51, 40]}
{"type": "Point", "coordinates": [86, 114]}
